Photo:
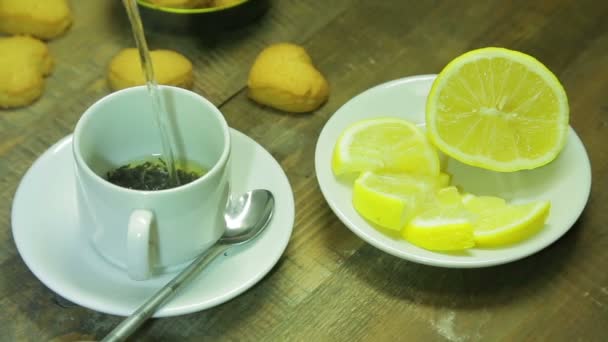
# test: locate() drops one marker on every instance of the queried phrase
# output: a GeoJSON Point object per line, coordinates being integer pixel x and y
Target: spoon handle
{"type": "Point", "coordinates": [146, 310]}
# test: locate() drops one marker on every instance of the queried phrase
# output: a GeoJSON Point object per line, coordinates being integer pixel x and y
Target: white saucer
{"type": "Point", "coordinates": [48, 239]}
{"type": "Point", "coordinates": [566, 181]}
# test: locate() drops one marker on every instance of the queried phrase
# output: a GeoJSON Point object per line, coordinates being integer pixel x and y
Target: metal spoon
{"type": "Point", "coordinates": [245, 218]}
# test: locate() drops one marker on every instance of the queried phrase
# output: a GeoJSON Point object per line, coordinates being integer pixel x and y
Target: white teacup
{"type": "Point", "coordinates": [151, 232]}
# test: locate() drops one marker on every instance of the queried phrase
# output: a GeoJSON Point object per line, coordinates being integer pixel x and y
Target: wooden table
{"type": "Point", "coordinates": [329, 284]}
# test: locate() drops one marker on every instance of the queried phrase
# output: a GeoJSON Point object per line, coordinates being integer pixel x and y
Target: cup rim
{"type": "Point", "coordinates": [86, 116]}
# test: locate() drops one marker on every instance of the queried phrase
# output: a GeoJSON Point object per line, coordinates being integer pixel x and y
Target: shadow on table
{"type": "Point", "coordinates": [462, 288]}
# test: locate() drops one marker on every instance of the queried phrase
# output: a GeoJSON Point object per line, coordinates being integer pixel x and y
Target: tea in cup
{"type": "Point", "coordinates": [128, 210]}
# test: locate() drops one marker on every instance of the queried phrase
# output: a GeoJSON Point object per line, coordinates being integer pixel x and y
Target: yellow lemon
{"type": "Point", "coordinates": [443, 225]}
{"type": "Point", "coordinates": [496, 223]}
{"type": "Point", "coordinates": [384, 144]}
{"type": "Point", "coordinates": [390, 200]}
{"type": "Point", "coordinates": [498, 109]}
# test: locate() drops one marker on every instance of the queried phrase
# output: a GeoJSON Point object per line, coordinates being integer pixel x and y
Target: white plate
{"type": "Point", "coordinates": [48, 238]}
{"type": "Point", "coordinates": [566, 182]}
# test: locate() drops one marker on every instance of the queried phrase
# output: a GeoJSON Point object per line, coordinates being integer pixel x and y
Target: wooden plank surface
{"type": "Point", "coordinates": [330, 285]}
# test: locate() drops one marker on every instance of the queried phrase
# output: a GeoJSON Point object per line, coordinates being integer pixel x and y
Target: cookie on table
{"type": "Point", "coordinates": [44, 19]}
{"type": "Point", "coordinates": [283, 77]}
{"type": "Point", "coordinates": [170, 68]}
{"type": "Point", "coordinates": [24, 61]}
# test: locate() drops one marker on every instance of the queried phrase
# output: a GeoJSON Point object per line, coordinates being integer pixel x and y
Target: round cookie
{"type": "Point", "coordinates": [170, 68]}
{"type": "Point", "coordinates": [44, 19]}
{"type": "Point", "coordinates": [283, 77]}
{"type": "Point", "coordinates": [24, 61]}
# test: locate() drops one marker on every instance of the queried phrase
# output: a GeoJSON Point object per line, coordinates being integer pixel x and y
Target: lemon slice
{"type": "Point", "coordinates": [442, 233]}
{"type": "Point", "coordinates": [390, 200]}
{"type": "Point", "coordinates": [384, 144]}
{"type": "Point", "coordinates": [498, 109]}
{"type": "Point", "coordinates": [497, 223]}
{"type": "Point", "coordinates": [443, 225]}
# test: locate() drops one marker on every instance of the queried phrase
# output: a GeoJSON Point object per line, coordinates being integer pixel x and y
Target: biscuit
{"type": "Point", "coordinates": [24, 61]}
{"type": "Point", "coordinates": [283, 77]}
{"type": "Point", "coordinates": [44, 19]}
{"type": "Point", "coordinates": [170, 68]}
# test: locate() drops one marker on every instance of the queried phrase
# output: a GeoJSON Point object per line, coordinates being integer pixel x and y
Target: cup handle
{"type": "Point", "coordinates": [138, 244]}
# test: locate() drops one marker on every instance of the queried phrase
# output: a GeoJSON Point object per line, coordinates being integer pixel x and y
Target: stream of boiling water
{"type": "Point", "coordinates": [160, 114]}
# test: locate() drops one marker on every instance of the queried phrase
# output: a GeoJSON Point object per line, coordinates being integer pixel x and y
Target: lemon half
{"type": "Point", "coordinates": [498, 109]}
